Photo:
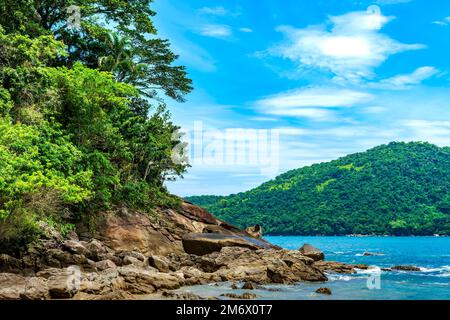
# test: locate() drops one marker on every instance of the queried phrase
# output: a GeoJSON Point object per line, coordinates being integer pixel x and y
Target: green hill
{"type": "Point", "coordinates": [400, 188]}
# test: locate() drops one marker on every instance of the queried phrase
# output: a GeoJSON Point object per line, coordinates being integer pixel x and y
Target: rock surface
{"type": "Point", "coordinates": [405, 268]}
{"type": "Point", "coordinates": [201, 244]}
{"type": "Point", "coordinates": [312, 252]}
{"type": "Point", "coordinates": [133, 255]}
{"type": "Point", "coordinates": [324, 291]}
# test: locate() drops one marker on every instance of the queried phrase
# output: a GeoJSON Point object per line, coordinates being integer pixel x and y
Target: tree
{"type": "Point", "coordinates": [88, 44]}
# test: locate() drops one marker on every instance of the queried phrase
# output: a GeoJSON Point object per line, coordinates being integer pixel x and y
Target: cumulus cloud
{"type": "Point", "coordinates": [349, 46]}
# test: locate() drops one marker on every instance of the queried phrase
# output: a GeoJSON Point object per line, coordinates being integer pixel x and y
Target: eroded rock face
{"type": "Point", "coordinates": [312, 252]}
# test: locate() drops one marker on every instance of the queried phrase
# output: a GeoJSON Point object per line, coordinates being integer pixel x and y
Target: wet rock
{"type": "Point", "coordinates": [406, 268]}
{"type": "Point", "coordinates": [250, 286]}
{"type": "Point", "coordinates": [324, 291]}
{"type": "Point", "coordinates": [334, 267]}
{"type": "Point", "coordinates": [244, 296]}
{"type": "Point", "coordinates": [370, 254]}
{"type": "Point", "coordinates": [312, 252]}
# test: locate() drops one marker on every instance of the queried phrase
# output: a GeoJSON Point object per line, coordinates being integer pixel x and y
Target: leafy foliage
{"type": "Point", "coordinates": [400, 189]}
{"type": "Point", "coordinates": [78, 132]}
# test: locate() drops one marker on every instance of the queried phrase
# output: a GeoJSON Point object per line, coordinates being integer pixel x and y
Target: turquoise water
{"type": "Point", "coordinates": [431, 254]}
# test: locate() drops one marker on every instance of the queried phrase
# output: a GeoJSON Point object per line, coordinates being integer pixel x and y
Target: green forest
{"type": "Point", "coordinates": [395, 189]}
{"type": "Point", "coordinates": [83, 123]}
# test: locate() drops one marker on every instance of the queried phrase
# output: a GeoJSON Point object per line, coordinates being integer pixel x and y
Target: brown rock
{"type": "Point", "coordinates": [336, 267]}
{"type": "Point", "coordinates": [324, 291]}
{"type": "Point", "coordinates": [142, 281]}
{"type": "Point", "coordinates": [312, 252]}
{"type": "Point", "coordinates": [205, 243]}
{"type": "Point", "coordinates": [160, 263]}
{"type": "Point", "coordinates": [75, 247]}
{"type": "Point", "coordinates": [9, 264]}
{"type": "Point", "coordinates": [105, 264]}
{"type": "Point", "coordinates": [406, 268]}
{"type": "Point", "coordinates": [135, 231]}
{"type": "Point", "coordinates": [64, 284]}
{"type": "Point", "coordinates": [11, 286]}
{"type": "Point", "coordinates": [244, 296]}
{"type": "Point", "coordinates": [250, 286]}
{"type": "Point", "coordinates": [35, 289]}
{"type": "Point", "coordinates": [255, 231]}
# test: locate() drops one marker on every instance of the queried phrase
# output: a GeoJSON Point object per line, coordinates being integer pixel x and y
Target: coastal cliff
{"type": "Point", "coordinates": [132, 255]}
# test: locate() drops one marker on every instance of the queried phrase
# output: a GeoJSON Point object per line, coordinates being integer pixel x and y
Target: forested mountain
{"type": "Point", "coordinates": [400, 188]}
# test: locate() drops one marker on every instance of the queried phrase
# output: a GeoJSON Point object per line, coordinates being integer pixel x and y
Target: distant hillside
{"type": "Point", "coordinates": [400, 188]}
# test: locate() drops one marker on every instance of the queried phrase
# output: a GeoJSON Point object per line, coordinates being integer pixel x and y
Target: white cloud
{"type": "Point", "coordinates": [216, 11]}
{"type": "Point", "coordinates": [216, 30]}
{"type": "Point", "coordinates": [405, 81]}
{"type": "Point", "coordinates": [434, 131]}
{"type": "Point", "coordinates": [350, 49]}
{"type": "Point", "coordinates": [246, 30]}
{"type": "Point", "coordinates": [443, 22]}
{"type": "Point", "coordinates": [315, 97]}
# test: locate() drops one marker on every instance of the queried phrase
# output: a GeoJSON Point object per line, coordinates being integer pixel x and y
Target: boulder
{"type": "Point", "coordinates": [75, 247]}
{"type": "Point", "coordinates": [11, 286]}
{"type": "Point", "coordinates": [312, 252]}
{"type": "Point", "coordinates": [140, 281]}
{"type": "Point", "coordinates": [35, 289]}
{"type": "Point", "coordinates": [324, 291]}
{"type": "Point", "coordinates": [160, 263]}
{"type": "Point", "coordinates": [248, 285]}
{"type": "Point", "coordinates": [65, 283]}
{"type": "Point", "coordinates": [205, 243]}
{"type": "Point", "coordinates": [105, 264]}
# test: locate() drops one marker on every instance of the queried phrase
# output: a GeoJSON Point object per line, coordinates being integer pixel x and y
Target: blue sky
{"type": "Point", "coordinates": [328, 77]}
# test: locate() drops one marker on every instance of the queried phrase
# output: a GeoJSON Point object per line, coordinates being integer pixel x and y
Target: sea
{"type": "Point", "coordinates": [430, 254]}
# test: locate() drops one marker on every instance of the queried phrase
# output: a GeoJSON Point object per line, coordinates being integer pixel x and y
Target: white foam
{"type": "Point", "coordinates": [339, 277]}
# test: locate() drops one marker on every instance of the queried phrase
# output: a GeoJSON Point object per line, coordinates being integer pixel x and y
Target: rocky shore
{"type": "Point", "coordinates": [134, 255]}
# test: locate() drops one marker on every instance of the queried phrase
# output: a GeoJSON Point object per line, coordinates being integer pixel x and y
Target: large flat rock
{"type": "Point", "coordinates": [205, 243]}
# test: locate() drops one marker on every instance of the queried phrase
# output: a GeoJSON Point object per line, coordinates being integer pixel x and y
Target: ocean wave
{"type": "Point", "coordinates": [435, 270]}
{"type": "Point", "coordinates": [339, 277]}
{"type": "Point", "coordinates": [371, 270]}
